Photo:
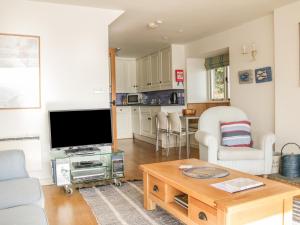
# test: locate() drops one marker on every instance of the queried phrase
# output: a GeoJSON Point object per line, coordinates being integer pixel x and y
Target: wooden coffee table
{"type": "Point", "coordinates": [267, 205]}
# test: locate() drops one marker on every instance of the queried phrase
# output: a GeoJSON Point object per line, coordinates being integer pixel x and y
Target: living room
{"type": "Point", "coordinates": [74, 38]}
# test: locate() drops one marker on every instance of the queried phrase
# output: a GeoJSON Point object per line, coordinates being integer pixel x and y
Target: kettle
{"type": "Point", "coordinates": [174, 98]}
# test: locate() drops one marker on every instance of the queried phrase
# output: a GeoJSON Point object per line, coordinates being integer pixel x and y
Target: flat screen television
{"type": "Point", "coordinates": [80, 128]}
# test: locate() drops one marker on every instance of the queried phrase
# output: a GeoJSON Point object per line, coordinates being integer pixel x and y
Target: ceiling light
{"type": "Point", "coordinates": [159, 21]}
{"type": "Point", "coordinates": [152, 25]}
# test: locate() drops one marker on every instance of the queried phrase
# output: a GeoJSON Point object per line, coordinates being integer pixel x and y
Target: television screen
{"type": "Point", "coordinates": [80, 127]}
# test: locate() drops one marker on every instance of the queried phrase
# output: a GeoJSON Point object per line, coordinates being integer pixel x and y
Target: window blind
{"type": "Point", "coordinates": [217, 61]}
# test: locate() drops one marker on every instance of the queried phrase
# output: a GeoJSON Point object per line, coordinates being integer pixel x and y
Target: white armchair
{"type": "Point", "coordinates": [257, 160]}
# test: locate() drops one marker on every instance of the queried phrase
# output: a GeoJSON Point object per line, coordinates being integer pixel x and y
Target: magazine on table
{"type": "Point", "coordinates": [182, 200]}
{"type": "Point", "coordinates": [238, 184]}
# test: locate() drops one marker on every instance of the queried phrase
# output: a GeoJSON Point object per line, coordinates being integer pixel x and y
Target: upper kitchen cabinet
{"type": "Point", "coordinates": [148, 75]}
{"type": "Point", "coordinates": [166, 69]}
{"type": "Point", "coordinates": [155, 75]}
{"type": "Point", "coordinates": [157, 71]}
{"type": "Point", "coordinates": [145, 74]}
{"type": "Point", "coordinates": [126, 75]}
{"type": "Point", "coordinates": [139, 74]}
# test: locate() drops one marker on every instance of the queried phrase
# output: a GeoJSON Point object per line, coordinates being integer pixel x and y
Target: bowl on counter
{"type": "Point", "coordinates": [189, 112]}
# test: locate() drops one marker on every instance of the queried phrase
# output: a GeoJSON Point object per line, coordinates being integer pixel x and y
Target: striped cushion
{"type": "Point", "coordinates": [236, 134]}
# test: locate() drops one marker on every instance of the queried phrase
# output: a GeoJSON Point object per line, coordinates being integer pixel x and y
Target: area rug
{"type": "Point", "coordinates": [123, 205]}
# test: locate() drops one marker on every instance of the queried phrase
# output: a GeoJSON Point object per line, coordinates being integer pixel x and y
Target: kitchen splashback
{"type": "Point", "coordinates": [155, 97]}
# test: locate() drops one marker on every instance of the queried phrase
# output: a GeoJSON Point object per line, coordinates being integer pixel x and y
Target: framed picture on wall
{"type": "Point", "coordinates": [245, 77]}
{"type": "Point", "coordinates": [263, 75]}
{"type": "Point", "coordinates": [19, 71]}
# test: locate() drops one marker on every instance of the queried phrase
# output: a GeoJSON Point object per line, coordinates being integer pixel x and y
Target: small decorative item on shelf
{"type": "Point", "coordinates": [290, 163]}
{"type": "Point", "coordinates": [188, 112]}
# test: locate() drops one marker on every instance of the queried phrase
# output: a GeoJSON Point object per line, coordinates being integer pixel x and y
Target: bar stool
{"type": "Point", "coordinates": [162, 127]}
{"type": "Point", "coordinates": [175, 128]}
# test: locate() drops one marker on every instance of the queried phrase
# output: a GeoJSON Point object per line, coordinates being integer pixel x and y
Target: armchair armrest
{"type": "Point", "coordinates": [12, 165]}
{"type": "Point", "coordinates": [210, 142]}
{"type": "Point", "coordinates": [266, 144]}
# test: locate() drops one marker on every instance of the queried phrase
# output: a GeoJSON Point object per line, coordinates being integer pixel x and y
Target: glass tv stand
{"type": "Point", "coordinates": [86, 168]}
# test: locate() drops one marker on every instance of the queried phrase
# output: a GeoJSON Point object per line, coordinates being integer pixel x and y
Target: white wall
{"type": "Point", "coordinates": [257, 100]}
{"type": "Point", "coordinates": [196, 89]}
{"type": "Point", "coordinates": [287, 89]}
{"type": "Point", "coordinates": [74, 63]}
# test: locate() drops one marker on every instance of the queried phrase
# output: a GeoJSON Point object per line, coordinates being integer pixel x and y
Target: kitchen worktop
{"type": "Point", "coordinates": [152, 105]}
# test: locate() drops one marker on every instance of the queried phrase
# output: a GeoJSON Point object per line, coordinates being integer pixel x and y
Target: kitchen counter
{"type": "Point", "coordinates": [211, 102]}
{"type": "Point", "coordinates": [152, 105]}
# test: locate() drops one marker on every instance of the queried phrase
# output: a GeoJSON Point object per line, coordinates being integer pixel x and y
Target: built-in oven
{"type": "Point", "coordinates": [133, 98]}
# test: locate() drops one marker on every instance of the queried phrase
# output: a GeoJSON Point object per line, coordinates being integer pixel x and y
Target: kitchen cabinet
{"type": "Point", "coordinates": [165, 69]}
{"type": "Point", "coordinates": [155, 71]}
{"type": "Point", "coordinates": [131, 76]}
{"type": "Point", "coordinates": [145, 74]}
{"type": "Point", "coordinates": [136, 120]}
{"type": "Point", "coordinates": [139, 74]}
{"type": "Point", "coordinates": [126, 75]}
{"type": "Point", "coordinates": [155, 75]}
{"type": "Point", "coordinates": [120, 77]}
{"type": "Point", "coordinates": [124, 123]}
{"type": "Point", "coordinates": [146, 123]}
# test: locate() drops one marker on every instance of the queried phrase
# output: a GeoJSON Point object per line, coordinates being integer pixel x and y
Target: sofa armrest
{"type": "Point", "coordinates": [12, 165]}
{"type": "Point", "coordinates": [266, 144]}
{"type": "Point", "coordinates": [210, 142]}
{"type": "Point", "coordinates": [22, 191]}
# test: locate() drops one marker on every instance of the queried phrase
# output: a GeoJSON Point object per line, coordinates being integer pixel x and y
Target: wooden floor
{"type": "Point", "coordinates": [62, 209]}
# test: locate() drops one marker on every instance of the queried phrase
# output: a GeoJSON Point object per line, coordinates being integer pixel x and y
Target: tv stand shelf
{"type": "Point", "coordinates": [85, 168]}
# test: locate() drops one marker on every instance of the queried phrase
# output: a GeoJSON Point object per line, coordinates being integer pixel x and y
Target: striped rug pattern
{"type": "Point", "coordinates": [123, 205]}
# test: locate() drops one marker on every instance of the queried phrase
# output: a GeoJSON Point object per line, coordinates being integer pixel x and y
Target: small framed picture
{"type": "Point", "coordinates": [263, 75]}
{"type": "Point", "coordinates": [245, 76]}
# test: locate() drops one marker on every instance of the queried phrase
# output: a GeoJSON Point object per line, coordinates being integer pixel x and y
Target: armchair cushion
{"type": "Point", "coordinates": [239, 153]}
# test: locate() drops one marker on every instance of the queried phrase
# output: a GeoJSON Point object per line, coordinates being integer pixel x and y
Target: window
{"type": "Point", "coordinates": [219, 83]}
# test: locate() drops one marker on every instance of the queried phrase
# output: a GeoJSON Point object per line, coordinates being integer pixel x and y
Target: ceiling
{"type": "Point", "coordinates": [183, 20]}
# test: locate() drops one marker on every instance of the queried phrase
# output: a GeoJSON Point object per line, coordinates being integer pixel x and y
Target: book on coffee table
{"type": "Point", "coordinates": [237, 184]}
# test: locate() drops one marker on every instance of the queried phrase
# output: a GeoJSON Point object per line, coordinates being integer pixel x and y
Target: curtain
{"type": "Point", "coordinates": [217, 61]}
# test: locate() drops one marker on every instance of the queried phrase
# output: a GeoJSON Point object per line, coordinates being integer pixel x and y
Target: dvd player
{"type": "Point", "coordinates": [86, 164]}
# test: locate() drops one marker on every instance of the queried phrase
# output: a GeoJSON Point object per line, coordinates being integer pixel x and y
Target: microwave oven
{"type": "Point", "coordinates": [133, 99]}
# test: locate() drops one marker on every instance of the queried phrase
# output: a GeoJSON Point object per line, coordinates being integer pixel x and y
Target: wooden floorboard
{"type": "Point", "coordinates": [62, 209]}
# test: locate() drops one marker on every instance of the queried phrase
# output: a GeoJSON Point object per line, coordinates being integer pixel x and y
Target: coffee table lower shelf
{"type": "Point", "coordinates": [173, 208]}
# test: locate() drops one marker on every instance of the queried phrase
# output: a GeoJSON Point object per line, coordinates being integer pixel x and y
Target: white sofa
{"type": "Point", "coordinates": [21, 197]}
{"type": "Point", "coordinates": [257, 160]}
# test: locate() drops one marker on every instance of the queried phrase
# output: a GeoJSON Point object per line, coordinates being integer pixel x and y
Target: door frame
{"type": "Point", "coordinates": [112, 58]}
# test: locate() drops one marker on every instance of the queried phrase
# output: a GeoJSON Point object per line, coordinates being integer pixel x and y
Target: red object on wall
{"type": "Point", "coordinates": [179, 76]}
